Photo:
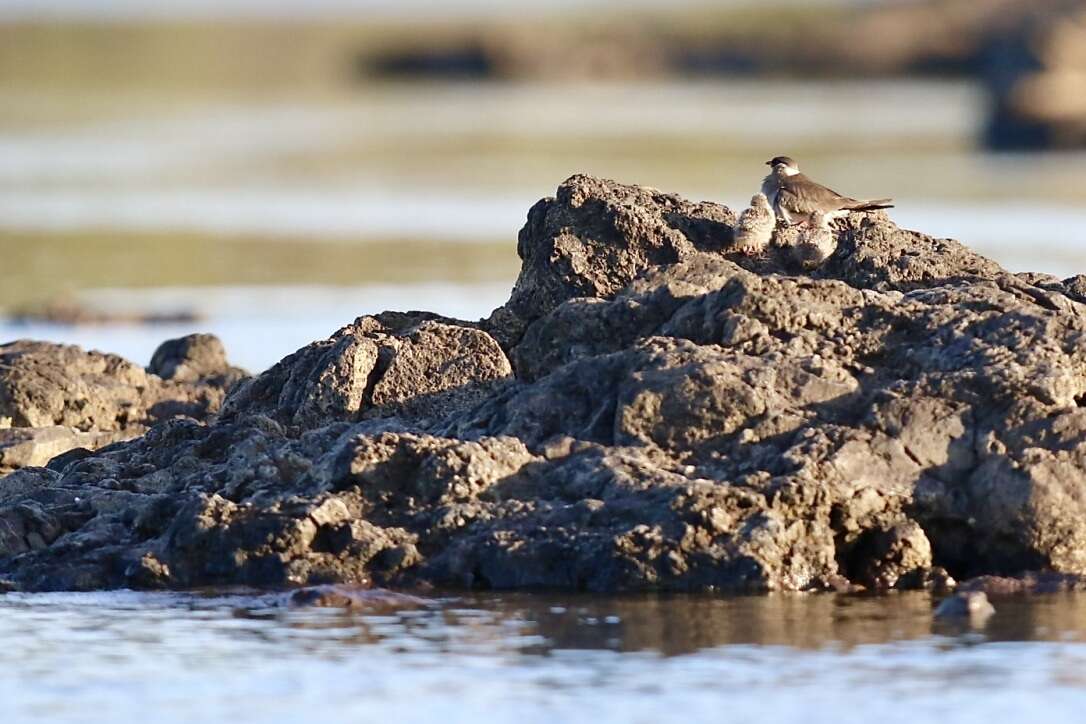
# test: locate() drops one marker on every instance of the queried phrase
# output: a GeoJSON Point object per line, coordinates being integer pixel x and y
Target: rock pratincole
{"type": "Point", "coordinates": [796, 199]}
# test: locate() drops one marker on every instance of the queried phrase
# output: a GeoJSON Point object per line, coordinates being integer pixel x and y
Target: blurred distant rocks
{"type": "Point", "coordinates": [507, 52]}
{"type": "Point", "coordinates": [1027, 53]}
{"type": "Point", "coordinates": [926, 37]}
{"type": "Point", "coordinates": [1036, 75]}
{"type": "Point", "coordinates": [651, 410]}
{"type": "Point", "coordinates": [73, 313]}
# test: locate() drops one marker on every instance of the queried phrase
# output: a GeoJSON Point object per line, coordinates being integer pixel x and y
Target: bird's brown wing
{"type": "Point", "coordinates": [800, 195]}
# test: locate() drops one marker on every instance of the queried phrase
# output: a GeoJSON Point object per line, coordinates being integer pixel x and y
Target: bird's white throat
{"type": "Point", "coordinates": [789, 170]}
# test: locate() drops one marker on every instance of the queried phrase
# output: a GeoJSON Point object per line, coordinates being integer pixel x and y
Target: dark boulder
{"type": "Point", "coordinates": [595, 236]}
{"type": "Point", "coordinates": [411, 365]}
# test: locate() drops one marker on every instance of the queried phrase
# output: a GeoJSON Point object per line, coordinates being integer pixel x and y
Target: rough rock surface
{"type": "Point", "coordinates": [595, 236]}
{"type": "Point", "coordinates": [410, 365]}
{"type": "Point", "coordinates": [680, 417]}
{"type": "Point", "coordinates": [55, 398]}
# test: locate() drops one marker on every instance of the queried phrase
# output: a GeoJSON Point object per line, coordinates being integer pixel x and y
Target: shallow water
{"type": "Point", "coordinates": [169, 657]}
{"type": "Point", "coordinates": [258, 325]}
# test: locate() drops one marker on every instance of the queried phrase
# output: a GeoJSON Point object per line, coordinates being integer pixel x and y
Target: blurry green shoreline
{"type": "Point", "coordinates": [253, 53]}
{"type": "Point", "coordinates": [39, 268]}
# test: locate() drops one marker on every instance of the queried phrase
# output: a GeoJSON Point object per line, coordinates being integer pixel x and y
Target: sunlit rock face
{"type": "Point", "coordinates": [650, 410]}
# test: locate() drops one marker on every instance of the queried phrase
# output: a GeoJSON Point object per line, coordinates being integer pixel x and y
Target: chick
{"type": "Point", "coordinates": [816, 242]}
{"type": "Point", "coordinates": [755, 226]}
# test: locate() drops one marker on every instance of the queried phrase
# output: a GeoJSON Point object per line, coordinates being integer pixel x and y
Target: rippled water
{"type": "Point", "coordinates": [168, 657]}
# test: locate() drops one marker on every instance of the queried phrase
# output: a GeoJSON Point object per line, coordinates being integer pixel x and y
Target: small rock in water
{"type": "Point", "coordinates": [972, 605]}
{"type": "Point", "coordinates": [350, 597]}
{"type": "Point", "coordinates": [72, 312]}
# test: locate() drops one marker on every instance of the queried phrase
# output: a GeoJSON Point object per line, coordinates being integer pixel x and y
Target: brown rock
{"type": "Point", "coordinates": [56, 398]}
{"type": "Point", "coordinates": [595, 236]}
{"type": "Point", "coordinates": [393, 364]}
{"type": "Point", "coordinates": [22, 447]}
{"type": "Point", "coordinates": [193, 358]}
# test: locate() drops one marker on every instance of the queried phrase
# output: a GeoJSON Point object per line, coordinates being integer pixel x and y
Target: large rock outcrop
{"type": "Point", "coordinates": [648, 411]}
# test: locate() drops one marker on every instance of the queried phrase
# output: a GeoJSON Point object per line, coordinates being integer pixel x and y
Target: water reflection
{"type": "Point", "coordinates": [537, 624]}
{"type": "Point", "coordinates": [535, 657]}
{"type": "Point", "coordinates": [675, 626]}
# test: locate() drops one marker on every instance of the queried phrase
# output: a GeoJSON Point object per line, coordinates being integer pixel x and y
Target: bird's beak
{"type": "Point", "coordinates": [768, 163]}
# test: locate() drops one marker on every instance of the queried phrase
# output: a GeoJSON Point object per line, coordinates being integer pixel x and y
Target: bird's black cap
{"type": "Point", "coordinates": [780, 159]}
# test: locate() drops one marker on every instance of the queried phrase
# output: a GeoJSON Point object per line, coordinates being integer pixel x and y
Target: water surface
{"type": "Point", "coordinates": [169, 657]}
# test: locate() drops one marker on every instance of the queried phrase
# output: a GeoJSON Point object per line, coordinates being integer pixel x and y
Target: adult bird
{"type": "Point", "coordinates": [797, 199]}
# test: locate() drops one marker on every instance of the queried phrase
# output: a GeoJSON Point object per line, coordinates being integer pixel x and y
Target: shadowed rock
{"type": "Point", "coordinates": [193, 358]}
{"type": "Point", "coordinates": [55, 398]}
{"type": "Point", "coordinates": [681, 417]}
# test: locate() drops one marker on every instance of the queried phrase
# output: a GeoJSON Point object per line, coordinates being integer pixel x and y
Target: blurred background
{"type": "Point", "coordinates": [268, 170]}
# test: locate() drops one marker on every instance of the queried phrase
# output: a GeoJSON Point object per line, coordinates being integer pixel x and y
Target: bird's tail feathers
{"type": "Point", "coordinates": [871, 205]}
